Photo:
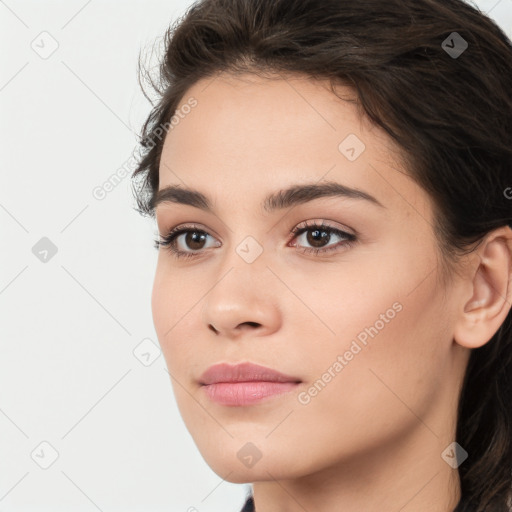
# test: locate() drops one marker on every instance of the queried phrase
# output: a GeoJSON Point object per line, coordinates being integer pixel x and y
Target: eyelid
{"type": "Point", "coordinates": [198, 226]}
{"type": "Point", "coordinates": [170, 236]}
{"type": "Point", "coordinates": [322, 222]}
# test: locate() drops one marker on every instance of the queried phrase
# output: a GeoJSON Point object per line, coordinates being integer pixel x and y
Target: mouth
{"type": "Point", "coordinates": [244, 383]}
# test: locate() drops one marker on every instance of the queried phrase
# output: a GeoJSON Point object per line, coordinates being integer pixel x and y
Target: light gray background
{"type": "Point", "coordinates": [70, 326]}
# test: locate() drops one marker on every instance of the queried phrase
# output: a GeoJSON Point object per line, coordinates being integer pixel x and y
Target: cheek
{"type": "Point", "coordinates": [172, 298]}
{"type": "Point", "coordinates": [162, 302]}
{"type": "Point", "coordinates": [391, 338]}
{"type": "Point", "coordinates": [387, 302]}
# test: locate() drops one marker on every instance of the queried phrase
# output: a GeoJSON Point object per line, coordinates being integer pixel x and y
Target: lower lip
{"type": "Point", "coordinates": [246, 393]}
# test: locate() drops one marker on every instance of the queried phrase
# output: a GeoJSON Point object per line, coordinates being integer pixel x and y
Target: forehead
{"type": "Point", "coordinates": [280, 114]}
{"type": "Point", "coordinates": [248, 134]}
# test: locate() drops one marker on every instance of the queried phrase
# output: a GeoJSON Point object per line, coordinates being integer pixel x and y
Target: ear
{"type": "Point", "coordinates": [488, 299]}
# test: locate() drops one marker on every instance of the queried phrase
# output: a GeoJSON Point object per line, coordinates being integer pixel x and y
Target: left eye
{"type": "Point", "coordinates": [194, 238]}
{"type": "Point", "coordinates": [319, 236]}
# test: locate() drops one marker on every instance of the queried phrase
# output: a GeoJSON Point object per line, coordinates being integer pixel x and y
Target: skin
{"type": "Point", "coordinates": [372, 438]}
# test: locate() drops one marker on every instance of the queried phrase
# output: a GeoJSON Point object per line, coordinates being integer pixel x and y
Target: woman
{"type": "Point", "coordinates": [332, 184]}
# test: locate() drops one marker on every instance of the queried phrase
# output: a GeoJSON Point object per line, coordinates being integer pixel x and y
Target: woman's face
{"type": "Point", "coordinates": [364, 326]}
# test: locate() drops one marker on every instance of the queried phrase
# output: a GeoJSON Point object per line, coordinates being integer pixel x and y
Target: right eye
{"type": "Point", "coordinates": [191, 236]}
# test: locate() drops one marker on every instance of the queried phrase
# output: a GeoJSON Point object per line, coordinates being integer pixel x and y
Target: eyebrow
{"type": "Point", "coordinates": [282, 199]}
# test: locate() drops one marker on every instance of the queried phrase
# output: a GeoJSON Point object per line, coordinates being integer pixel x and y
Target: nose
{"type": "Point", "coordinates": [243, 303]}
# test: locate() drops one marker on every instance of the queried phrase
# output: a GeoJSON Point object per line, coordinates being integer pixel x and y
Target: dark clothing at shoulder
{"type": "Point", "coordinates": [248, 505]}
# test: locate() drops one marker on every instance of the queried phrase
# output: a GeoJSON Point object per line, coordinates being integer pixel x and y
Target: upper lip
{"type": "Point", "coordinates": [243, 372]}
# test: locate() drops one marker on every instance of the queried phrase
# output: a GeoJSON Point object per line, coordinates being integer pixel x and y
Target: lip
{"type": "Point", "coordinates": [244, 383]}
{"type": "Point", "coordinates": [243, 372]}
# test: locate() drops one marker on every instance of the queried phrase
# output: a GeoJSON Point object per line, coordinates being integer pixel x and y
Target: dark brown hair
{"type": "Point", "coordinates": [449, 112]}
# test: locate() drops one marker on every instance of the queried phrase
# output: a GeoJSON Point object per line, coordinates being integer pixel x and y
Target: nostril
{"type": "Point", "coordinates": [252, 324]}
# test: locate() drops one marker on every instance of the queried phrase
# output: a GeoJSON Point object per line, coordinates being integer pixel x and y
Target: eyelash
{"type": "Point", "coordinates": [168, 240]}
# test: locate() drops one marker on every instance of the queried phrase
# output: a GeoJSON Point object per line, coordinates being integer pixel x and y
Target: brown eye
{"type": "Point", "coordinates": [185, 241]}
{"type": "Point", "coordinates": [195, 239]}
{"type": "Point", "coordinates": [319, 236]}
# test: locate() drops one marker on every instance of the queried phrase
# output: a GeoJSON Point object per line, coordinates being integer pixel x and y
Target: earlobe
{"type": "Point", "coordinates": [490, 297]}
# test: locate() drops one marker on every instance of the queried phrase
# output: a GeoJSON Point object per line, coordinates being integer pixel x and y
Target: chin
{"type": "Point", "coordinates": [248, 464]}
